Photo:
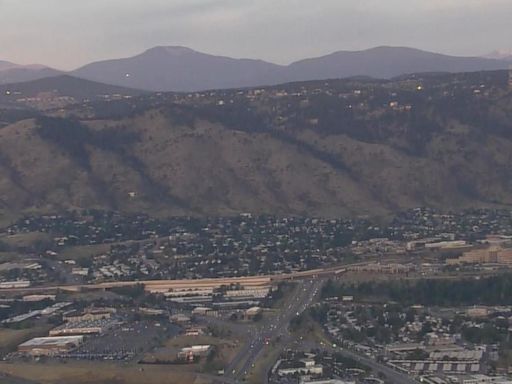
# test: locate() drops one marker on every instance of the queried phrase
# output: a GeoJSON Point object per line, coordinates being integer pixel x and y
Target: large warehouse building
{"type": "Point", "coordinates": [50, 346]}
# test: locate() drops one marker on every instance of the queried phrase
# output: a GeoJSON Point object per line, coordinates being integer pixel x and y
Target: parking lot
{"type": "Point", "coordinates": [125, 342]}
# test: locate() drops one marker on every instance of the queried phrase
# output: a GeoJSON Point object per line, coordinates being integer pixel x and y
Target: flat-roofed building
{"type": "Point", "coordinates": [484, 379]}
{"type": "Point", "coordinates": [330, 381]}
{"type": "Point", "coordinates": [36, 298]}
{"type": "Point", "coordinates": [259, 293]}
{"type": "Point", "coordinates": [477, 312]}
{"type": "Point", "coordinates": [195, 331]}
{"type": "Point", "coordinates": [436, 366]}
{"type": "Point", "coordinates": [253, 312]}
{"type": "Point", "coordinates": [90, 314]}
{"type": "Point", "coordinates": [490, 255]}
{"type": "Point", "coordinates": [204, 311]}
{"type": "Point", "coordinates": [191, 300]}
{"type": "Point", "coordinates": [92, 327]}
{"type": "Point", "coordinates": [180, 319]}
{"type": "Point", "coordinates": [152, 311]}
{"type": "Point", "coordinates": [190, 353]}
{"type": "Point", "coordinates": [14, 284]}
{"type": "Point", "coordinates": [49, 346]}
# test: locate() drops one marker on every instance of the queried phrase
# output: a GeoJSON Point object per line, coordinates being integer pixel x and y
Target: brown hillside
{"type": "Point", "coordinates": [268, 156]}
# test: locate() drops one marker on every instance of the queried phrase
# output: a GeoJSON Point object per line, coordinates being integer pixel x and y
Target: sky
{"type": "Point", "coordinates": [69, 33]}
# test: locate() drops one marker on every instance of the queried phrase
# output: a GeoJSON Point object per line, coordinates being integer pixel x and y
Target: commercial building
{"type": "Point", "coordinates": [252, 313]}
{"type": "Point", "coordinates": [192, 300]}
{"type": "Point", "coordinates": [180, 319]}
{"type": "Point", "coordinates": [152, 312]}
{"type": "Point", "coordinates": [436, 366]}
{"type": "Point", "coordinates": [391, 268]}
{"type": "Point", "coordinates": [90, 314]}
{"type": "Point", "coordinates": [195, 331]}
{"type": "Point", "coordinates": [22, 318]}
{"type": "Point", "coordinates": [55, 308]}
{"type": "Point", "coordinates": [478, 312]}
{"type": "Point", "coordinates": [190, 353]}
{"type": "Point", "coordinates": [240, 294]}
{"type": "Point", "coordinates": [446, 244]}
{"type": "Point", "coordinates": [313, 370]}
{"type": "Point", "coordinates": [491, 255]}
{"type": "Point", "coordinates": [37, 298]}
{"type": "Point", "coordinates": [80, 272]}
{"type": "Point", "coordinates": [484, 379]}
{"type": "Point", "coordinates": [306, 366]}
{"type": "Point", "coordinates": [14, 284]}
{"type": "Point", "coordinates": [92, 327]}
{"type": "Point", "coordinates": [204, 311]}
{"type": "Point", "coordinates": [50, 346]}
{"type": "Point", "coordinates": [330, 381]}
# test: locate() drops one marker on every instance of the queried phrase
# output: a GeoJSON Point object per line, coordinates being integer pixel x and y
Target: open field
{"type": "Point", "coordinates": [7, 217]}
{"type": "Point", "coordinates": [28, 239]}
{"type": "Point", "coordinates": [78, 252]}
{"type": "Point", "coordinates": [100, 373]}
{"type": "Point", "coordinates": [11, 338]}
{"type": "Point", "coordinates": [8, 256]}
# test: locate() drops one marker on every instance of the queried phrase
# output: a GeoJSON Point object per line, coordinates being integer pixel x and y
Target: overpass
{"type": "Point", "coordinates": [166, 285]}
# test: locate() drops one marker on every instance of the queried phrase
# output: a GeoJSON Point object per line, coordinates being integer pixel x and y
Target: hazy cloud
{"type": "Point", "coordinates": [68, 33]}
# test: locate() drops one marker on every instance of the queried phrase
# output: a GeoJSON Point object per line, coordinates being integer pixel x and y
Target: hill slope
{"type": "Point", "coordinates": [63, 85]}
{"type": "Point", "coordinates": [327, 148]}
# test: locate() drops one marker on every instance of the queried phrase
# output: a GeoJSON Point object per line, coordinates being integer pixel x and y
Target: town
{"type": "Point", "coordinates": [421, 296]}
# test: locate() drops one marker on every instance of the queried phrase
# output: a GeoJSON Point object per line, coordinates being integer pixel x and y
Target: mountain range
{"type": "Point", "coordinates": [182, 69]}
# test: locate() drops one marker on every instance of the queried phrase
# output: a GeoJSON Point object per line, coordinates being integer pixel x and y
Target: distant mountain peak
{"type": "Point", "coordinates": [7, 65]}
{"type": "Point", "coordinates": [176, 50]}
{"type": "Point", "coordinates": [500, 54]}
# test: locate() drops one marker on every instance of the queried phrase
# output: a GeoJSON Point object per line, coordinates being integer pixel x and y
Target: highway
{"type": "Point", "coordinates": [166, 285]}
{"type": "Point", "coordinates": [277, 326]}
{"type": "Point", "coordinates": [273, 328]}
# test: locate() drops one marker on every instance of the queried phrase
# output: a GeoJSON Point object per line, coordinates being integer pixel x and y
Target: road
{"type": "Point", "coordinates": [165, 285]}
{"type": "Point", "coordinates": [395, 376]}
{"type": "Point", "coordinates": [277, 326]}
{"type": "Point", "coordinates": [272, 328]}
